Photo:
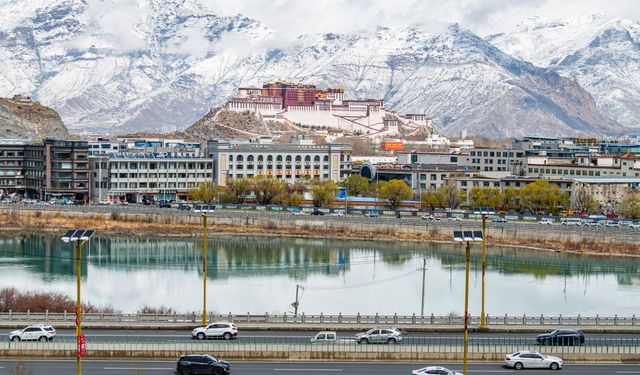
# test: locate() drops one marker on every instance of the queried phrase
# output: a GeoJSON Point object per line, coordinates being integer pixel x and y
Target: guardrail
{"type": "Point", "coordinates": [322, 319]}
{"type": "Point", "coordinates": [449, 347]}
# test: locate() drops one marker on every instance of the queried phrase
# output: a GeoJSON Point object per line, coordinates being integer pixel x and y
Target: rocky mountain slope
{"type": "Point", "coordinates": [602, 55]}
{"type": "Point", "coordinates": [166, 67]}
{"type": "Point", "coordinates": [21, 118]}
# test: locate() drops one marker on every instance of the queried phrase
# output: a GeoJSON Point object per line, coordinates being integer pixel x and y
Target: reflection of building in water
{"type": "Point", "coordinates": [226, 258]}
{"type": "Point", "coordinates": [41, 254]}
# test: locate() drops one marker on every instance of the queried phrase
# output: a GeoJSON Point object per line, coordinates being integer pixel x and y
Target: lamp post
{"type": "Point", "coordinates": [484, 251]}
{"type": "Point", "coordinates": [204, 264]}
{"type": "Point", "coordinates": [468, 237]}
{"type": "Point", "coordinates": [80, 237]}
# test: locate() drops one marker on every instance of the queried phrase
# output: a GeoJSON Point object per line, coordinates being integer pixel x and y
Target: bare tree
{"type": "Point", "coordinates": [583, 200]}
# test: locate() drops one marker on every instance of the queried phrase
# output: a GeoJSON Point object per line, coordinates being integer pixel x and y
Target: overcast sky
{"type": "Point", "coordinates": [481, 16]}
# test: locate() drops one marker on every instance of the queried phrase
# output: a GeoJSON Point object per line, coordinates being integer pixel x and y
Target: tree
{"type": "Point", "coordinates": [356, 185]}
{"type": "Point", "coordinates": [511, 198]}
{"type": "Point", "coordinates": [266, 189]}
{"type": "Point", "coordinates": [542, 196]}
{"type": "Point", "coordinates": [395, 191]}
{"type": "Point", "coordinates": [239, 188]}
{"type": "Point", "coordinates": [485, 197]}
{"type": "Point", "coordinates": [205, 192]}
{"type": "Point", "coordinates": [429, 200]}
{"type": "Point", "coordinates": [449, 195]}
{"type": "Point", "coordinates": [630, 205]}
{"type": "Point", "coordinates": [323, 193]}
{"type": "Point", "coordinates": [583, 201]}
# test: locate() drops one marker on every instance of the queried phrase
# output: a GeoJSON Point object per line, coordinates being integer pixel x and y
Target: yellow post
{"type": "Point", "coordinates": [204, 247]}
{"type": "Point", "coordinates": [484, 250]}
{"type": "Point", "coordinates": [78, 308]}
{"type": "Point", "coordinates": [466, 308]}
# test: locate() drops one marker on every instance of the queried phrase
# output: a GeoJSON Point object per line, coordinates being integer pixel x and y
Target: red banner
{"type": "Point", "coordinates": [82, 348]}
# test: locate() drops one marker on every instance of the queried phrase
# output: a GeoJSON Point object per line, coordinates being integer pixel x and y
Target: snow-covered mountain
{"type": "Point", "coordinates": [602, 54]}
{"type": "Point", "coordinates": [161, 64]}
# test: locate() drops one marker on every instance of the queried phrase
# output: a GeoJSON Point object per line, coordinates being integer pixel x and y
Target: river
{"type": "Point", "coordinates": [259, 274]}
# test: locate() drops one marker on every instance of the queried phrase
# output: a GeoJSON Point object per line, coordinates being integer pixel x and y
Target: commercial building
{"type": "Point", "coordinates": [291, 162]}
{"type": "Point", "coordinates": [12, 178]}
{"type": "Point", "coordinates": [135, 177]}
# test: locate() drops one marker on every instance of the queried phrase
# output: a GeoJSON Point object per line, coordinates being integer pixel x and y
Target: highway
{"type": "Point", "coordinates": [302, 337]}
{"type": "Point", "coordinates": [98, 367]}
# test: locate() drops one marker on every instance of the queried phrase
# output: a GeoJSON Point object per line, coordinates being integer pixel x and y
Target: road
{"type": "Point", "coordinates": [155, 336]}
{"type": "Point", "coordinates": [97, 367]}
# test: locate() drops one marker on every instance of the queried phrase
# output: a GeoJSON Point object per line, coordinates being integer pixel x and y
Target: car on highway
{"type": "Point", "coordinates": [184, 207]}
{"type": "Point", "coordinates": [164, 204]}
{"type": "Point", "coordinates": [35, 332]}
{"type": "Point", "coordinates": [527, 359]}
{"type": "Point", "coordinates": [612, 224]}
{"type": "Point", "coordinates": [224, 330]}
{"type": "Point", "coordinates": [371, 214]}
{"type": "Point", "coordinates": [379, 335]}
{"type": "Point", "coordinates": [189, 364]}
{"type": "Point", "coordinates": [325, 337]}
{"type": "Point", "coordinates": [499, 220]}
{"type": "Point", "coordinates": [545, 222]}
{"type": "Point", "coordinates": [299, 213]}
{"type": "Point", "coordinates": [561, 337]}
{"type": "Point", "coordinates": [576, 221]}
{"type": "Point", "coordinates": [317, 213]}
{"type": "Point", "coordinates": [634, 225]}
{"type": "Point", "coordinates": [435, 370]}
{"type": "Point", "coordinates": [338, 214]}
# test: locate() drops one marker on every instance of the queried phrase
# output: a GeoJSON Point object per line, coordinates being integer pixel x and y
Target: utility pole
{"type": "Point", "coordinates": [484, 251]}
{"type": "Point", "coordinates": [424, 269]}
{"type": "Point", "coordinates": [297, 302]}
{"type": "Point", "coordinates": [204, 264]}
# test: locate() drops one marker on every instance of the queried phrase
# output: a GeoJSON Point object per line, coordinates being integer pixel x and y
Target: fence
{"type": "Point", "coordinates": [285, 348]}
{"type": "Point", "coordinates": [322, 319]}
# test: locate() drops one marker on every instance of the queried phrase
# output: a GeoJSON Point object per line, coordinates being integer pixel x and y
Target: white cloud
{"type": "Point", "coordinates": [294, 17]}
{"type": "Point", "coordinates": [114, 23]}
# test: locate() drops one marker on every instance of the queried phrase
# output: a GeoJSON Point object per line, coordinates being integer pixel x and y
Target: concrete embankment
{"type": "Point", "coordinates": [347, 352]}
{"type": "Point", "coordinates": [172, 223]}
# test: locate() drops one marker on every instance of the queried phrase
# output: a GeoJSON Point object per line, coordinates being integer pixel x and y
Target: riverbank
{"type": "Point", "coordinates": [178, 224]}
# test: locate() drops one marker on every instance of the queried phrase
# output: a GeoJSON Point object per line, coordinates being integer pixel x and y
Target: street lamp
{"type": "Point", "coordinates": [468, 237]}
{"type": "Point", "coordinates": [204, 264]}
{"type": "Point", "coordinates": [484, 251]}
{"type": "Point", "coordinates": [80, 237]}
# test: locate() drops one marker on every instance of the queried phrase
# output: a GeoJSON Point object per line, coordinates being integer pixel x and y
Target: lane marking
{"type": "Point", "coordinates": [137, 368]}
{"type": "Point", "coordinates": [310, 369]}
{"type": "Point", "coordinates": [627, 372]}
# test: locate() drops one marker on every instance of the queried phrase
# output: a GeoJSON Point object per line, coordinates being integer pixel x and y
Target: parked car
{"type": "Point", "coordinates": [634, 225]}
{"type": "Point", "coordinates": [317, 213]}
{"type": "Point", "coordinates": [338, 214]}
{"type": "Point", "coordinates": [427, 217]}
{"type": "Point", "coordinates": [545, 222]}
{"type": "Point", "coordinates": [561, 337]}
{"type": "Point", "coordinates": [202, 364]}
{"type": "Point", "coordinates": [299, 213]}
{"type": "Point", "coordinates": [35, 332]}
{"type": "Point", "coordinates": [104, 203]}
{"type": "Point", "coordinates": [164, 204]}
{"type": "Point", "coordinates": [527, 359]}
{"type": "Point", "coordinates": [379, 335]}
{"type": "Point", "coordinates": [499, 220]}
{"type": "Point", "coordinates": [184, 207]}
{"type": "Point", "coordinates": [455, 218]}
{"type": "Point", "coordinates": [435, 370]}
{"type": "Point", "coordinates": [225, 330]}
{"type": "Point", "coordinates": [612, 224]}
{"type": "Point", "coordinates": [371, 214]}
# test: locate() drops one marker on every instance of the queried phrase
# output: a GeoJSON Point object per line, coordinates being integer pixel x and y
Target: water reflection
{"type": "Point", "coordinates": [259, 274]}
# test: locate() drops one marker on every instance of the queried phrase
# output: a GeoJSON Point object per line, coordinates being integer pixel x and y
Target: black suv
{"type": "Point", "coordinates": [561, 337]}
{"type": "Point", "coordinates": [164, 204]}
{"type": "Point", "coordinates": [202, 364]}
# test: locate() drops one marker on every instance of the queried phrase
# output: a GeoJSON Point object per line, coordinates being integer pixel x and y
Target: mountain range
{"type": "Point", "coordinates": [170, 61]}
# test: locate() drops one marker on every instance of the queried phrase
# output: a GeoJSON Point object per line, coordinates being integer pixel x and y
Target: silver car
{"type": "Point", "coordinates": [527, 359]}
{"type": "Point", "coordinates": [379, 335]}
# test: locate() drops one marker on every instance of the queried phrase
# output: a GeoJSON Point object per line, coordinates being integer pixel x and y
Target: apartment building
{"type": "Point", "coordinates": [584, 166]}
{"type": "Point", "coordinates": [135, 177]}
{"type": "Point", "coordinates": [12, 178]}
{"type": "Point", "coordinates": [493, 160]}
{"type": "Point", "coordinates": [291, 162]}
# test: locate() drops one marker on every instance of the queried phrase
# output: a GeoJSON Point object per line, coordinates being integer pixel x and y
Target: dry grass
{"type": "Point", "coordinates": [146, 225]}
{"type": "Point", "coordinates": [12, 299]}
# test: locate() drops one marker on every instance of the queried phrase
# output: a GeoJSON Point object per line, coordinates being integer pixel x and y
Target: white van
{"type": "Point", "coordinates": [572, 221]}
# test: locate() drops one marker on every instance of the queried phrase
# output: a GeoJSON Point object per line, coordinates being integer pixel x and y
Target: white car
{"type": "Point", "coordinates": [299, 213]}
{"type": "Point", "coordinates": [455, 218]}
{"type": "Point", "coordinates": [36, 332]}
{"type": "Point", "coordinates": [224, 330]}
{"type": "Point", "coordinates": [634, 226]}
{"type": "Point", "coordinates": [545, 222]}
{"type": "Point", "coordinates": [527, 359]}
{"type": "Point", "coordinates": [435, 370]}
{"type": "Point", "coordinates": [338, 214]}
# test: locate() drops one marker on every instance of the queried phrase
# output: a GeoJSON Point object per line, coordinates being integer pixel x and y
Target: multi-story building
{"type": "Point", "coordinates": [290, 162]}
{"type": "Point", "coordinates": [135, 177]}
{"type": "Point", "coordinates": [584, 166]}
{"type": "Point", "coordinates": [12, 178]}
{"type": "Point", "coordinates": [419, 177]}
{"type": "Point", "coordinates": [66, 169]}
{"type": "Point", "coordinates": [493, 160]}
